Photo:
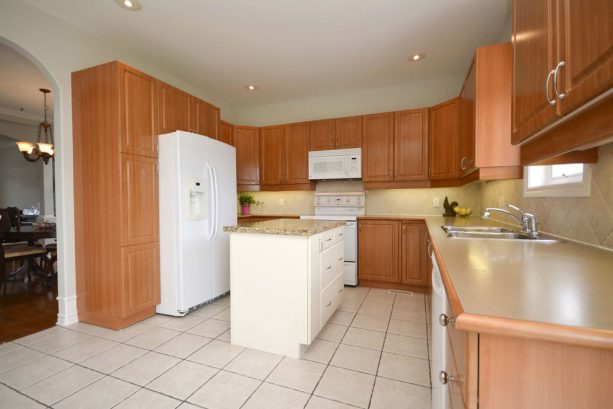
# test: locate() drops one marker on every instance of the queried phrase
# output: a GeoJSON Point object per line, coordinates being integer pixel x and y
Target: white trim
{"type": "Point", "coordinates": [67, 311]}
{"type": "Point", "coordinates": [574, 189]}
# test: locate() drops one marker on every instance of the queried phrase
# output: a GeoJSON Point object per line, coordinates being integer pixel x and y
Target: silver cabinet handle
{"type": "Point", "coordinates": [329, 268]}
{"type": "Point", "coordinates": [340, 259]}
{"type": "Point", "coordinates": [340, 234]}
{"type": "Point", "coordinates": [329, 304]}
{"type": "Point", "coordinates": [555, 80]}
{"type": "Point", "coordinates": [445, 378]}
{"type": "Point", "coordinates": [340, 290]}
{"type": "Point", "coordinates": [464, 158]}
{"type": "Point", "coordinates": [330, 239]}
{"type": "Point", "coordinates": [551, 101]}
{"type": "Point", "coordinates": [444, 320]}
{"type": "Point", "coordinates": [429, 247]}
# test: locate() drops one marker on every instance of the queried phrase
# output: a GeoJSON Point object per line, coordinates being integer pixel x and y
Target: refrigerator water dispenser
{"type": "Point", "coordinates": [196, 200]}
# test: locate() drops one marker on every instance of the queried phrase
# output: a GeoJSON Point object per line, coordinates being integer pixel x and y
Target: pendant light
{"type": "Point", "coordinates": [43, 148]}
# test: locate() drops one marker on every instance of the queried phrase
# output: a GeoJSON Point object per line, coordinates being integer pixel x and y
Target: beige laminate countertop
{"type": "Point", "coordinates": [287, 227]}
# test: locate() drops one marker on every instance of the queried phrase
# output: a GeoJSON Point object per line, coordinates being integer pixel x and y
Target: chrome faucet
{"type": "Point", "coordinates": [528, 221]}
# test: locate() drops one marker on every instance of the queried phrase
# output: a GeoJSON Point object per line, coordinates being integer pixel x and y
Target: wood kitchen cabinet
{"type": "Point", "coordinates": [444, 140]}
{"type": "Point", "coordinates": [174, 109]}
{"type": "Point", "coordinates": [247, 143]}
{"type": "Point", "coordinates": [225, 132]}
{"type": "Point", "coordinates": [204, 118]}
{"type": "Point", "coordinates": [563, 59]}
{"type": "Point", "coordinates": [411, 145]}
{"type": "Point", "coordinates": [339, 133]}
{"type": "Point", "coordinates": [272, 155]}
{"type": "Point", "coordinates": [115, 117]}
{"type": "Point", "coordinates": [413, 254]}
{"type": "Point", "coordinates": [322, 136]}
{"type": "Point", "coordinates": [378, 147]}
{"type": "Point", "coordinates": [297, 153]}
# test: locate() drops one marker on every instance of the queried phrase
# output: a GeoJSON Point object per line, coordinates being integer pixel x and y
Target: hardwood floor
{"type": "Point", "coordinates": [26, 309]}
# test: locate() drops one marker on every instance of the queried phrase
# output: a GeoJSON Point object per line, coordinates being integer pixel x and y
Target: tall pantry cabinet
{"type": "Point", "coordinates": [115, 127]}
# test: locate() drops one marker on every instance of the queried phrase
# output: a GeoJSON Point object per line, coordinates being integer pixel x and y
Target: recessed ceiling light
{"type": "Point", "coordinates": [251, 87]}
{"type": "Point", "coordinates": [132, 5]}
{"type": "Point", "coordinates": [417, 57]}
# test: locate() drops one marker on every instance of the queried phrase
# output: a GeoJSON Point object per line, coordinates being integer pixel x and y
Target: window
{"type": "Point", "coordinates": [571, 179]}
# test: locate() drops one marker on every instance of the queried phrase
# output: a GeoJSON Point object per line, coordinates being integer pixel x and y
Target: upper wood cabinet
{"type": "Point", "coordinates": [413, 253]}
{"type": "Point", "coordinates": [272, 155]}
{"type": "Point", "coordinates": [323, 135]}
{"type": "Point", "coordinates": [467, 112]}
{"type": "Point", "coordinates": [225, 132]}
{"type": "Point", "coordinates": [174, 109]}
{"type": "Point", "coordinates": [378, 147]}
{"type": "Point", "coordinates": [563, 58]}
{"type": "Point", "coordinates": [378, 250]}
{"type": "Point", "coordinates": [138, 112]}
{"type": "Point", "coordinates": [348, 132]}
{"type": "Point", "coordinates": [297, 153]}
{"type": "Point", "coordinates": [247, 142]}
{"type": "Point", "coordinates": [204, 118]}
{"type": "Point", "coordinates": [443, 141]}
{"type": "Point", "coordinates": [411, 145]}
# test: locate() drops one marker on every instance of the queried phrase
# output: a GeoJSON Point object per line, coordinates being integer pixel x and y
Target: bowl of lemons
{"type": "Point", "coordinates": [462, 211]}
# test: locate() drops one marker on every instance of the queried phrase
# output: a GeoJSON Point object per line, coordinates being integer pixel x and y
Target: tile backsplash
{"type": "Point", "coordinates": [587, 219]}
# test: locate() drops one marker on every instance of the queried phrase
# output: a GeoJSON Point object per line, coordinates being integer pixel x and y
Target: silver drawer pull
{"type": "Point", "coordinates": [340, 259]}
{"type": "Point", "coordinates": [444, 320]}
{"type": "Point", "coordinates": [330, 239]}
{"type": "Point", "coordinates": [329, 268]}
{"type": "Point", "coordinates": [445, 378]}
{"type": "Point", "coordinates": [329, 304]}
{"type": "Point", "coordinates": [340, 290]}
{"type": "Point", "coordinates": [340, 234]}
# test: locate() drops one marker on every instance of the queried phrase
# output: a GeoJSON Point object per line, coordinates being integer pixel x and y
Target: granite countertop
{"type": "Point", "coordinates": [561, 291]}
{"type": "Point", "coordinates": [288, 227]}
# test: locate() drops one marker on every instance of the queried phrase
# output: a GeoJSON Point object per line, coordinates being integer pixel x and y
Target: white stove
{"type": "Point", "coordinates": [345, 206]}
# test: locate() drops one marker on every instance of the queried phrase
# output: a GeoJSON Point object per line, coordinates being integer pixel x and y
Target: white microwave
{"type": "Point", "coordinates": [335, 164]}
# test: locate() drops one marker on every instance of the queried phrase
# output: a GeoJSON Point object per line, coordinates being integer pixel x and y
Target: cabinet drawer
{"type": "Point", "coordinates": [331, 298]}
{"type": "Point", "coordinates": [339, 234]}
{"type": "Point", "coordinates": [326, 240]}
{"type": "Point", "coordinates": [331, 264]}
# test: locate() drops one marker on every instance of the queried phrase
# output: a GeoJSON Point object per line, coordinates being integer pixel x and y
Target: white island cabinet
{"type": "Point", "coordinates": [286, 280]}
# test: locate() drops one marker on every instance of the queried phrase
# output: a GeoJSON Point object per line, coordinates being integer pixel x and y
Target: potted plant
{"type": "Point", "coordinates": [246, 201]}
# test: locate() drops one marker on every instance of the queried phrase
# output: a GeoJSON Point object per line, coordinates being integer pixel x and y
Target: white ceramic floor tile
{"type": "Point", "coordinates": [146, 399]}
{"type": "Point", "coordinates": [85, 349]}
{"type": "Point", "coordinates": [332, 332]}
{"type": "Point", "coordinates": [114, 358]}
{"type": "Point", "coordinates": [113, 335]}
{"type": "Point", "coordinates": [152, 338]}
{"type": "Point", "coordinates": [414, 301]}
{"type": "Point", "coordinates": [17, 357]}
{"type": "Point", "coordinates": [276, 397]}
{"type": "Point", "coordinates": [57, 387]}
{"type": "Point", "coordinates": [227, 300]}
{"type": "Point", "coordinates": [13, 400]}
{"type": "Point", "coordinates": [226, 336]}
{"type": "Point", "coordinates": [409, 346]}
{"type": "Point", "coordinates": [8, 347]}
{"type": "Point", "coordinates": [156, 320]}
{"type": "Point", "coordinates": [186, 405]}
{"type": "Point", "coordinates": [341, 318]}
{"type": "Point", "coordinates": [378, 310]}
{"type": "Point", "coordinates": [356, 358]}
{"type": "Point", "coordinates": [209, 310]}
{"type": "Point", "coordinates": [364, 338]}
{"type": "Point", "coordinates": [183, 345]}
{"type": "Point", "coordinates": [409, 314]}
{"type": "Point", "coordinates": [146, 368]}
{"type": "Point", "coordinates": [183, 379]}
{"type": "Point", "coordinates": [24, 376]}
{"type": "Point", "coordinates": [297, 374]}
{"type": "Point", "coordinates": [216, 354]}
{"type": "Point", "coordinates": [103, 394]}
{"type": "Point", "coordinates": [407, 328]}
{"type": "Point", "coordinates": [182, 323]}
{"type": "Point", "coordinates": [317, 402]}
{"type": "Point", "coordinates": [59, 341]}
{"type": "Point", "coordinates": [38, 336]}
{"type": "Point", "coordinates": [320, 351]}
{"type": "Point", "coordinates": [350, 306]}
{"type": "Point", "coordinates": [371, 322]}
{"type": "Point", "coordinates": [254, 363]}
{"type": "Point", "coordinates": [224, 315]}
{"type": "Point", "coordinates": [346, 386]}
{"type": "Point", "coordinates": [210, 328]}
{"type": "Point", "coordinates": [225, 391]}
{"type": "Point", "coordinates": [390, 394]}
{"type": "Point", "coordinates": [405, 368]}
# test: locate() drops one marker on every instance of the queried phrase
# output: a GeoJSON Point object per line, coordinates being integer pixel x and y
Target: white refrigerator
{"type": "Point", "coordinates": [197, 185]}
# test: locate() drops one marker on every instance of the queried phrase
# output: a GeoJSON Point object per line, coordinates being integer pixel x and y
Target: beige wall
{"type": "Point", "coordinates": [587, 219]}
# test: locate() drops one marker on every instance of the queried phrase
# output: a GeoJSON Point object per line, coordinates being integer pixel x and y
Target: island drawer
{"type": "Point", "coordinates": [326, 240]}
{"type": "Point", "coordinates": [331, 298]}
{"type": "Point", "coordinates": [331, 264]}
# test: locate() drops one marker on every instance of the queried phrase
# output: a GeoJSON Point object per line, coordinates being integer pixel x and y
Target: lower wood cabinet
{"type": "Point", "coordinates": [140, 277]}
{"type": "Point", "coordinates": [392, 253]}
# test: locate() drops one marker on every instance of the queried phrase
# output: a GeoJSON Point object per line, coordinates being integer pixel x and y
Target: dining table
{"type": "Point", "coordinates": [26, 233]}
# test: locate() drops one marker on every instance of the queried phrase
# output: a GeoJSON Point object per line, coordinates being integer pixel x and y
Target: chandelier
{"type": "Point", "coordinates": [43, 148]}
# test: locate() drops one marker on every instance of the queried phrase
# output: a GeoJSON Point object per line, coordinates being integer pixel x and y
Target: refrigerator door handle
{"type": "Point", "coordinates": [216, 188]}
{"type": "Point", "coordinates": [211, 224]}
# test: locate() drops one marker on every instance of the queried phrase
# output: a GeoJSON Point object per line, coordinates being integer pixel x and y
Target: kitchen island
{"type": "Point", "coordinates": [286, 281]}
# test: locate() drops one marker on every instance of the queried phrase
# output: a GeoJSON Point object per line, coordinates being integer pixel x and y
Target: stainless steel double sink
{"type": "Point", "coordinates": [500, 233]}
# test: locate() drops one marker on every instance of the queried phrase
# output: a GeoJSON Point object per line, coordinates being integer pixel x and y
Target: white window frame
{"type": "Point", "coordinates": [573, 186]}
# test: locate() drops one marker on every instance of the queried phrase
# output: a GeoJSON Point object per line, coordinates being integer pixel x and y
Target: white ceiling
{"type": "Point", "coordinates": [293, 49]}
{"type": "Point", "coordinates": [20, 81]}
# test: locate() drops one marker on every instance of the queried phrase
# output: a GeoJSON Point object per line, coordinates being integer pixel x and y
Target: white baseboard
{"type": "Point", "coordinates": [67, 311]}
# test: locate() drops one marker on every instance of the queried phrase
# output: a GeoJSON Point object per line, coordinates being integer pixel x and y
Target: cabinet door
{"type": "Point", "coordinates": [348, 132]}
{"type": "Point", "coordinates": [140, 277]}
{"type": "Point", "coordinates": [297, 153]}
{"type": "Point", "coordinates": [378, 245]}
{"type": "Point", "coordinates": [205, 118]}
{"type": "Point", "coordinates": [322, 135]}
{"type": "Point", "coordinates": [247, 143]}
{"type": "Point", "coordinates": [443, 147]}
{"type": "Point", "coordinates": [413, 254]}
{"type": "Point", "coordinates": [174, 106]}
{"type": "Point", "coordinates": [225, 132]}
{"type": "Point", "coordinates": [411, 145]}
{"type": "Point", "coordinates": [467, 112]}
{"type": "Point", "coordinates": [586, 47]}
{"type": "Point", "coordinates": [533, 51]}
{"type": "Point", "coordinates": [138, 112]}
{"type": "Point", "coordinates": [378, 147]}
{"type": "Point", "coordinates": [139, 200]}
{"type": "Point", "coordinates": [272, 155]}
